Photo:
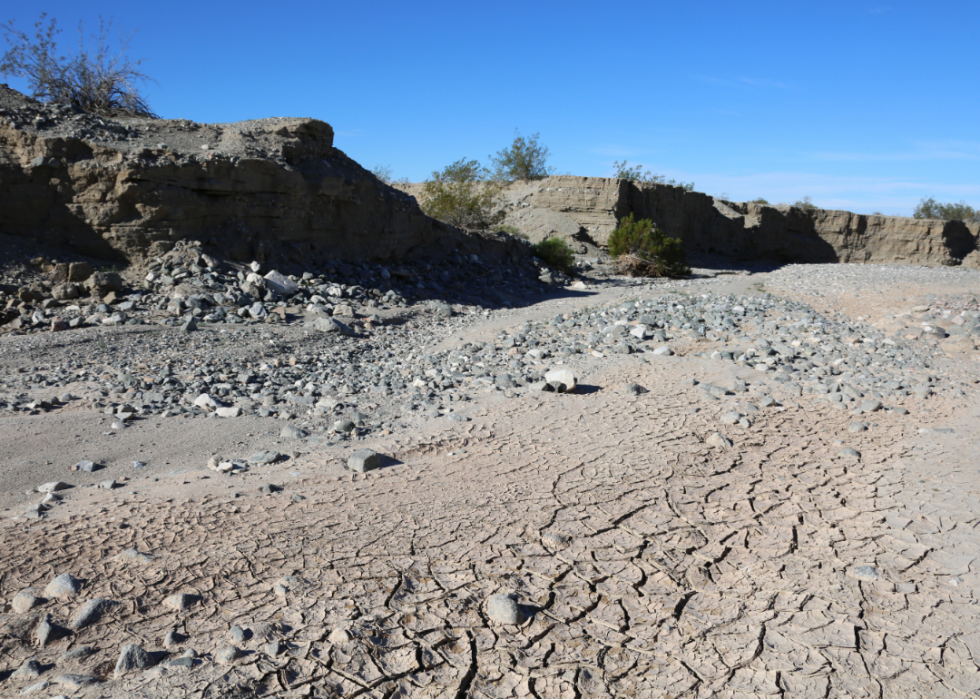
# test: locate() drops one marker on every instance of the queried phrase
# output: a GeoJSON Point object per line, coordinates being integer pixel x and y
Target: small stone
{"type": "Point", "coordinates": [855, 427]}
{"type": "Point", "coordinates": [555, 539]}
{"type": "Point", "coordinates": [264, 457]}
{"type": "Point", "coordinates": [30, 669]}
{"type": "Point", "coordinates": [233, 411]}
{"type": "Point", "coordinates": [182, 601]}
{"type": "Point", "coordinates": [206, 402]}
{"type": "Point", "coordinates": [52, 487]}
{"type": "Point", "coordinates": [76, 654]}
{"type": "Point", "coordinates": [74, 682]}
{"type": "Point", "coordinates": [269, 489]}
{"type": "Point", "coordinates": [25, 600]}
{"type": "Point", "coordinates": [132, 555]}
{"type": "Point", "coordinates": [849, 452]}
{"type": "Point", "coordinates": [87, 466]}
{"type": "Point", "coordinates": [504, 609]}
{"type": "Point", "coordinates": [64, 585]}
{"type": "Point", "coordinates": [731, 418]}
{"type": "Point", "coordinates": [864, 572]}
{"type": "Point", "coordinates": [291, 432]}
{"type": "Point", "coordinates": [92, 611]}
{"type": "Point", "coordinates": [635, 389]}
{"type": "Point", "coordinates": [663, 351]}
{"type": "Point", "coordinates": [189, 326]}
{"type": "Point", "coordinates": [39, 687]}
{"type": "Point", "coordinates": [49, 632]}
{"type": "Point", "coordinates": [561, 380]}
{"type": "Point", "coordinates": [716, 439]}
{"type": "Point", "coordinates": [108, 485]}
{"type": "Point", "coordinates": [364, 460]}
{"type": "Point", "coordinates": [870, 406]}
{"type": "Point", "coordinates": [238, 634]}
{"type": "Point", "coordinates": [173, 639]}
{"type": "Point", "coordinates": [275, 649]}
{"type": "Point", "coordinates": [226, 655]}
{"type": "Point", "coordinates": [339, 637]}
{"type": "Point", "coordinates": [132, 657]}
{"type": "Point", "coordinates": [329, 325]}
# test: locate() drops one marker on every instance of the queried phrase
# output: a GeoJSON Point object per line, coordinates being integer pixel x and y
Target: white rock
{"type": "Point", "coordinates": [280, 284]}
{"type": "Point", "coordinates": [562, 376]}
{"type": "Point", "coordinates": [52, 487]}
{"type": "Point", "coordinates": [664, 351]}
{"type": "Point", "coordinates": [235, 411]}
{"type": "Point", "coordinates": [206, 402]}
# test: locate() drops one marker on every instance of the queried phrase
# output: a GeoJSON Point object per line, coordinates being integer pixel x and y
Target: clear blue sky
{"type": "Point", "coordinates": [865, 106]}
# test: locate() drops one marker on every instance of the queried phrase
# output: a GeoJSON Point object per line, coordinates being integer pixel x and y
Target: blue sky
{"type": "Point", "coordinates": [865, 106]}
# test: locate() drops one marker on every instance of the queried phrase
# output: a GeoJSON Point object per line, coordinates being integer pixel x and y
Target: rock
{"type": "Point", "coordinates": [270, 488]}
{"type": "Point", "coordinates": [132, 555]}
{"type": "Point", "coordinates": [28, 670]}
{"type": "Point", "coordinates": [635, 389]}
{"type": "Point", "coordinates": [330, 325]}
{"type": "Point", "coordinates": [264, 457]}
{"type": "Point", "coordinates": [79, 271]}
{"type": "Point", "coordinates": [870, 406]}
{"type": "Point", "coordinates": [132, 657]}
{"type": "Point", "coordinates": [74, 682]}
{"type": "Point", "coordinates": [280, 284]}
{"type": "Point", "coordinates": [238, 634]}
{"type": "Point", "coordinates": [857, 427]}
{"type": "Point", "coordinates": [226, 655]}
{"type": "Point", "coordinates": [206, 402]}
{"type": "Point", "coordinates": [716, 439]}
{"type": "Point", "coordinates": [850, 453]}
{"type": "Point", "coordinates": [173, 639]}
{"type": "Point", "coordinates": [91, 612]}
{"type": "Point", "coordinates": [663, 351]}
{"type": "Point", "coordinates": [64, 585]}
{"type": "Point", "coordinates": [364, 460]}
{"type": "Point", "coordinates": [25, 600]}
{"type": "Point", "coordinates": [234, 411]}
{"type": "Point", "coordinates": [504, 609]}
{"type": "Point", "coordinates": [182, 601]}
{"type": "Point", "coordinates": [730, 418]}
{"type": "Point", "coordinates": [39, 687]}
{"type": "Point", "coordinates": [864, 572]}
{"type": "Point", "coordinates": [561, 380]}
{"type": "Point", "coordinates": [189, 325]}
{"type": "Point", "coordinates": [343, 426]}
{"type": "Point", "coordinates": [291, 432]}
{"type": "Point", "coordinates": [76, 654]}
{"type": "Point", "coordinates": [275, 649]}
{"type": "Point", "coordinates": [87, 466]}
{"type": "Point", "coordinates": [339, 637]}
{"type": "Point", "coordinates": [52, 487]}
{"type": "Point", "coordinates": [555, 539]}
{"type": "Point", "coordinates": [48, 631]}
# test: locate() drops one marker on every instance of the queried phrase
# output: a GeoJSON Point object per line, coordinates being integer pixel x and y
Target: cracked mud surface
{"type": "Point", "coordinates": [647, 562]}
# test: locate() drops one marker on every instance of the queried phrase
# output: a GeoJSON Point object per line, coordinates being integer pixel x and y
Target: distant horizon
{"type": "Point", "coordinates": [834, 102]}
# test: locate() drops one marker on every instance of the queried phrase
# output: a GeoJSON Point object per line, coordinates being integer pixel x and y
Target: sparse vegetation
{"type": "Point", "coordinates": [806, 203]}
{"type": "Point", "coordinates": [637, 174]}
{"type": "Point", "coordinates": [97, 78]}
{"type": "Point", "coordinates": [556, 253]}
{"type": "Point", "coordinates": [382, 172]}
{"type": "Point", "coordinates": [510, 230]}
{"type": "Point", "coordinates": [642, 249]}
{"type": "Point", "coordinates": [525, 159]}
{"type": "Point", "coordinates": [930, 208]}
{"type": "Point", "coordinates": [461, 195]}
{"type": "Point", "coordinates": [759, 200]}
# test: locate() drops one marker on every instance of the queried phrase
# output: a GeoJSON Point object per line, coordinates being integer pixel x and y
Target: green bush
{"type": "Point", "coordinates": [556, 253]}
{"type": "Point", "coordinates": [526, 159]}
{"type": "Point", "coordinates": [930, 208]}
{"type": "Point", "coordinates": [461, 196]}
{"type": "Point", "coordinates": [510, 230]}
{"type": "Point", "coordinates": [641, 249]}
{"type": "Point", "coordinates": [806, 203]}
{"type": "Point", "coordinates": [638, 174]}
{"type": "Point", "coordinates": [760, 200]}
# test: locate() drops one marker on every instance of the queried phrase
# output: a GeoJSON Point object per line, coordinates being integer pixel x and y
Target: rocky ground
{"type": "Point", "coordinates": [764, 481]}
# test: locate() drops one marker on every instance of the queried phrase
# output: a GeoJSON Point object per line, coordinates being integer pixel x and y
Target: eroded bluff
{"type": "Point", "coordinates": [129, 188]}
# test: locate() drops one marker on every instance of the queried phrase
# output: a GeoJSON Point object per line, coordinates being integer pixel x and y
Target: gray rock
{"type": "Point", "coordinates": [25, 600]}
{"type": "Point", "coordinates": [864, 572]}
{"type": "Point", "coordinates": [132, 657]}
{"type": "Point", "coordinates": [504, 609]}
{"type": "Point", "coordinates": [264, 457]}
{"type": "Point", "coordinates": [76, 654]}
{"type": "Point", "coordinates": [52, 487]}
{"type": "Point", "coordinates": [730, 418]}
{"type": "Point", "coordinates": [75, 682]}
{"type": "Point", "coordinates": [663, 351]}
{"type": "Point", "coordinates": [226, 655]}
{"type": "Point", "coordinates": [132, 555]}
{"type": "Point", "coordinates": [49, 632]}
{"type": "Point", "coordinates": [238, 634]}
{"type": "Point", "coordinates": [716, 439]}
{"type": "Point", "coordinates": [330, 325]}
{"type": "Point", "coordinates": [364, 460]}
{"type": "Point", "coordinates": [182, 601]}
{"type": "Point", "coordinates": [28, 670]}
{"type": "Point", "coordinates": [173, 638]}
{"type": "Point", "coordinates": [87, 466]}
{"type": "Point", "coordinates": [275, 649]}
{"type": "Point", "coordinates": [291, 432]}
{"type": "Point", "coordinates": [855, 427]}
{"type": "Point", "coordinates": [189, 326]}
{"type": "Point", "coordinates": [270, 488]}
{"type": "Point", "coordinates": [64, 585]}
{"type": "Point", "coordinates": [849, 452]}
{"type": "Point", "coordinates": [635, 389]}
{"type": "Point", "coordinates": [92, 611]}
{"type": "Point", "coordinates": [870, 406]}
{"type": "Point", "coordinates": [39, 687]}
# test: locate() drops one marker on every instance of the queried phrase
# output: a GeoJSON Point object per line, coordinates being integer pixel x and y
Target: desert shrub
{"type": "Point", "coordinates": [97, 78]}
{"type": "Point", "coordinates": [806, 203]}
{"type": "Point", "coordinates": [461, 195]}
{"type": "Point", "coordinates": [930, 208]}
{"type": "Point", "coordinates": [759, 200]}
{"type": "Point", "coordinates": [525, 159]}
{"type": "Point", "coordinates": [510, 230]}
{"type": "Point", "coordinates": [382, 172]}
{"type": "Point", "coordinates": [556, 253]}
{"type": "Point", "coordinates": [642, 249]}
{"type": "Point", "coordinates": [637, 174]}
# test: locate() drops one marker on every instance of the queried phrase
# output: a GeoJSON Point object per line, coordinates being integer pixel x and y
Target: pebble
{"type": "Point", "coordinates": [504, 609]}
{"type": "Point", "coordinates": [364, 460]}
{"type": "Point", "coordinates": [173, 638]}
{"type": "Point", "coordinates": [560, 380]}
{"type": "Point", "coordinates": [182, 601]}
{"type": "Point", "coordinates": [48, 631]}
{"type": "Point", "coordinates": [291, 432]}
{"type": "Point", "coordinates": [87, 466]}
{"type": "Point", "coordinates": [132, 657]}
{"type": "Point", "coordinates": [25, 600]}
{"type": "Point", "coordinates": [226, 655]}
{"type": "Point", "coordinates": [264, 457]}
{"type": "Point", "coordinates": [275, 648]}
{"type": "Point", "coordinates": [849, 452]}
{"type": "Point", "coordinates": [74, 654]}
{"type": "Point", "coordinates": [64, 585]}
{"type": "Point", "coordinates": [91, 612]}
{"type": "Point", "coordinates": [238, 634]}
{"type": "Point", "coordinates": [635, 389]}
